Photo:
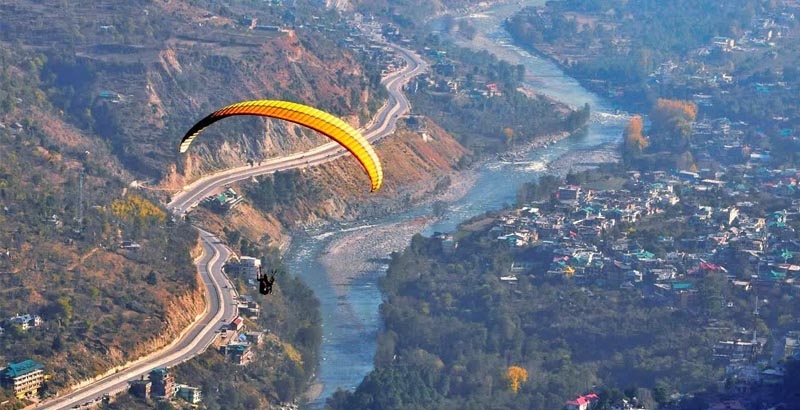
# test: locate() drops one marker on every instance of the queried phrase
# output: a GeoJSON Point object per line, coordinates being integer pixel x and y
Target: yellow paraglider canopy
{"type": "Point", "coordinates": [318, 120]}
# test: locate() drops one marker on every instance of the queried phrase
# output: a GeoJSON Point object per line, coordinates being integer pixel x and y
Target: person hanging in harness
{"type": "Point", "coordinates": [265, 283]}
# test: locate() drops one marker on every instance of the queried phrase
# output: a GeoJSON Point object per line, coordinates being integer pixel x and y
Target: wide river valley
{"type": "Point", "coordinates": [350, 307]}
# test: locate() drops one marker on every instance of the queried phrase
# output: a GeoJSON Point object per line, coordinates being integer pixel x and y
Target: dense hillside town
{"type": "Point", "coordinates": [677, 265]}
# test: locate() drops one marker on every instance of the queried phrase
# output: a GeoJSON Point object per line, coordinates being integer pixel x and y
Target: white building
{"type": "Point", "coordinates": [191, 394]}
{"type": "Point", "coordinates": [26, 321]}
{"type": "Point", "coordinates": [249, 267]}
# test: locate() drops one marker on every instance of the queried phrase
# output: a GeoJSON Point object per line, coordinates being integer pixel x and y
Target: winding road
{"type": "Point", "coordinates": [220, 308]}
{"type": "Point", "coordinates": [382, 125]}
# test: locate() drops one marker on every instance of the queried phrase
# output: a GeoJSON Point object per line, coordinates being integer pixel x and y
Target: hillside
{"type": "Point", "coordinates": [70, 89]}
{"type": "Point", "coordinates": [67, 255]}
{"type": "Point", "coordinates": [170, 64]}
{"type": "Point", "coordinates": [95, 95]}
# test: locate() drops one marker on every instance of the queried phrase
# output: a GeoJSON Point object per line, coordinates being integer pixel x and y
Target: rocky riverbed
{"type": "Point", "coordinates": [357, 252]}
{"type": "Point", "coordinates": [346, 264]}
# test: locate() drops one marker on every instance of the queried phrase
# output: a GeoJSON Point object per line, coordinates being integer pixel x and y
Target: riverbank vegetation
{"type": "Point", "coordinates": [453, 331]}
{"type": "Point", "coordinates": [567, 336]}
{"type": "Point", "coordinates": [480, 100]}
{"type": "Point", "coordinates": [667, 143]}
{"type": "Point", "coordinates": [737, 62]}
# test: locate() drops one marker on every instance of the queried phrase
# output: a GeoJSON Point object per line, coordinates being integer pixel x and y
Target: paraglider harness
{"type": "Point", "coordinates": [264, 283]}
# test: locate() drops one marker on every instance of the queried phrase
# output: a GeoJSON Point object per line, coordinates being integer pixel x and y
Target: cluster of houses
{"type": "Point", "coordinates": [579, 221]}
{"type": "Point", "coordinates": [239, 343]}
{"type": "Point", "coordinates": [247, 268]}
{"type": "Point", "coordinates": [25, 379]}
{"type": "Point", "coordinates": [442, 78]}
{"type": "Point", "coordinates": [235, 343]}
{"type": "Point", "coordinates": [764, 33]}
{"type": "Point", "coordinates": [223, 202]}
{"type": "Point", "coordinates": [586, 234]}
{"type": "Point", "coordinates": [160, 385]}
{"type": "Point", "coordinates": [576, 230]}
{"type": "Point", "coordinates": [24, 321]}
{"type": "Point", "coordinates": [364, 45]}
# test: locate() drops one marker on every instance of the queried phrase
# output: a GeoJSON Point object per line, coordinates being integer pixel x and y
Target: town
{"type": "Point", "coordinates": [590, 238]}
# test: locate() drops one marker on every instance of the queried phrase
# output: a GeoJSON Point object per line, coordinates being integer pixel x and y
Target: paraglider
{"type": "Point", "coordinates": [320, 121]}
{"type": "Point", "coordinates": [265, 284]}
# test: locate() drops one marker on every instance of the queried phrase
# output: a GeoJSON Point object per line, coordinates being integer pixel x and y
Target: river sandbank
{"type": "Point", "coordinates": [360, 251]}
{"type": "Point", "coordinates": [582, 160]}
{"type": "Point", "coordinates": [355, 253]}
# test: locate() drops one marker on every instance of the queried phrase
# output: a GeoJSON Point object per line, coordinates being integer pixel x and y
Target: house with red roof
{"type": "Point", "coordinates": [237, 324]}
{"type": "Point", "coordinates": [583, 402]}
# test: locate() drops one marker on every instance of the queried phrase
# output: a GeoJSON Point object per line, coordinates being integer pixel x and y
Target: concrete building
{"type": "Point", "coordinates": [163, 383]}
{"type": "Point", "coordinates": [248, 307]}
{"type": "Point", "coordinates": [141, 388]}
{"type": "Point", "coordinates": [249, 267]}
{"type": "Point", "coordinates": [26, 321]}
{"type": "Point", "coordinates": [569, 193]}
{"type": "Point", "coordinates": [238, 353]}
{"type": "Point", "coordinates": [585, 402]}
{"type": "Point", "coordinates": [191, 394]}
{"type": "Point", "coordinates": [236, 324]}
{"type": "Point", "coordinates": [25, 377]}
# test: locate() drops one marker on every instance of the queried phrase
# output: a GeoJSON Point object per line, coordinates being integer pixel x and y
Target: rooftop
{"type": "Point", "coordinates": [22, 368]}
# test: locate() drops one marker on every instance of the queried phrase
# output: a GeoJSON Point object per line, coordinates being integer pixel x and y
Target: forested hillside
{"type": "Point", "coordinates": [67, 217]}
{"type": "Point", "coordinates": [94, 96]}
{"type": "Point", "coordinates": [454, 331]}
{"type": "Point", "coordinates": [637, 51]}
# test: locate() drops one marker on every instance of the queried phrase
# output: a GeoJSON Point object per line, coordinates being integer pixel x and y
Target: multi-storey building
{"type": "Point", "coordinates": [249, 267]}
{"type": "Point", "coordinates": [163, 383]}
{"type": "Point", "coordinates": [25, 377]}
{"type": "Point", "coordinates": [191, 394]}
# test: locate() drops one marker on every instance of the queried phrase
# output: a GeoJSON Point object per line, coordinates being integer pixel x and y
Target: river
{"type": "Point", "coordinates": [350, 302]}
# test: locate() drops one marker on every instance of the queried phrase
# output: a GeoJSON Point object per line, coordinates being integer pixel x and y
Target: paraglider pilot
{"type": "Point", "coordinates": [265, 284]}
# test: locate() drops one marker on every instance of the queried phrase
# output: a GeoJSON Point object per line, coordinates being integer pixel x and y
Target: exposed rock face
{"type": "Point", "coordinates": [416, 165]}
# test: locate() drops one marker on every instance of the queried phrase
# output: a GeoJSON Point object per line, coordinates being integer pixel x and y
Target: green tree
{"type": "Point", "coordinates": [65, 306]}
{"type": "Point", "coordinates": [152, 278]}
{"type": "Point", "coordinates": [57, 344]}
{"type": "Point", "coordinates": [710, 293]}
